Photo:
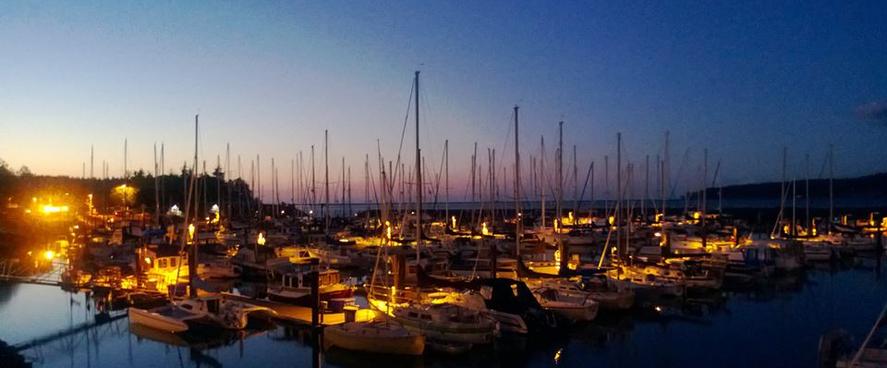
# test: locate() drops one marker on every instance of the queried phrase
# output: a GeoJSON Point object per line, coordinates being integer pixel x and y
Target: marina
{"type": "Point", "coordinates": [442, 185]}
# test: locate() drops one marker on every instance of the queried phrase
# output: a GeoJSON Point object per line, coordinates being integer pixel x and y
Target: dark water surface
{"type": "Point", "coordinates": [775, 325]}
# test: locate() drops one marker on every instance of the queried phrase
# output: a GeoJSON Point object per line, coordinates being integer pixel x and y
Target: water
{"type": "Point", "coordinates": [776, 325]}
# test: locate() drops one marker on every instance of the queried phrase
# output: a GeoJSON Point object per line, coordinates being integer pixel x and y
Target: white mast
{"type": "Point", "coordinates": [518, 223]}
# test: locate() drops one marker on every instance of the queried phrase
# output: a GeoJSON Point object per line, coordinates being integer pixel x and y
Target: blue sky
{"type": "Point", "coordinates": [742, 79]}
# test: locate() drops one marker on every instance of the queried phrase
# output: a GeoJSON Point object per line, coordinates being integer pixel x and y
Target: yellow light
{"type": "Point", "coordinates": [611, 220]}
{"type": "Point", "coordinates": [388, 229]}
{"type": "Point", "coordinates": [570, 215]}
{"type": "Point", "coordinates": [191, 231]}
{"type": "Point", "coordinates": [696, 215]}
{"type": "Point", "coordinates": [49, 255]}
{"type": "Point", "coordinates": [148, 260]}
{"type": "Point", "coordinates": [261, 239]}
{"type": "Point", "coordinates": [658, 308]}
{"type": "Point", "coordinates": [454, 221]}
{"type": "Point", "coordinates": [48, 209]}
{"type": "Point", "coordinates": [557, 355]}
{"type": "Point", "coordinates": [484, 230]}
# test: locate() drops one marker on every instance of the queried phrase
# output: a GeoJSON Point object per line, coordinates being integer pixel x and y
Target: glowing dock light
{"type": "Point", "coordinates": [191, 229]}
{"type": "Point", "coordinates": [454, 221]}
{"type": "Point", "coordinates": [49, 255]}
{"type": "Point", "coordinates": [484, 230]}
{"type": "Point", "coordinates": [261, 239]}
{"type": "Point", "coordinates": [147, 260]}
{"type": "Point", "coordinates": [50, 209]}
{"type": "Point", "coordinates": [697, 215]}
{"type": "Point", "coordinates": [388, 230]}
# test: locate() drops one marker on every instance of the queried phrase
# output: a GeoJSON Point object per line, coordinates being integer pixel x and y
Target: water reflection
{"type": "Point", "coordinates": [780, 319]}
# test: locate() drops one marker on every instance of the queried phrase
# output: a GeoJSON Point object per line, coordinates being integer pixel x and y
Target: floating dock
{"type": "Point", "coordinates": [288, 312]}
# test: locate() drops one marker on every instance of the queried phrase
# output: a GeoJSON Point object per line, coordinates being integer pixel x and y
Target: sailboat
{"type": "Point", "coordinates": [384, 337]}
{"type": "Point", "coordinates": [448, 326]}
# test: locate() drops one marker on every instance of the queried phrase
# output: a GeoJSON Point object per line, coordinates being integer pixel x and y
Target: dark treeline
{"type": "Point", "coordinates": [865, 187]}
{"type": "Point", "coordinates": [21, 186]}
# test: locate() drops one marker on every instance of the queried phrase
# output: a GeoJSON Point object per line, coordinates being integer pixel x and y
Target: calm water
{"type": "Point", "coordinates": [778, 325]}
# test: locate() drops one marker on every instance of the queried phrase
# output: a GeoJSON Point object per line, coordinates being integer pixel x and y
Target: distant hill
{"type": "Point", "coordinates": [868, 187]}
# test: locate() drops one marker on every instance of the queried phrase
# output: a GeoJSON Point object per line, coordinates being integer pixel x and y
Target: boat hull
{"type": "Point", "coordinates": [410, 344]}
{"type": "Point", "coordinates": [157, 321]}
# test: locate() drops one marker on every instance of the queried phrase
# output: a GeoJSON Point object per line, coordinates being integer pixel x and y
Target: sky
{"type": "Point", "coordinates": [740, 79]}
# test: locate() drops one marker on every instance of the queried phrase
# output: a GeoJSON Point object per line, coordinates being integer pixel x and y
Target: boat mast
{"type": "Point", "coordinates": [156, 190]}
{"type": "Point", "coordinates": [560, 171]}
{"type": "Point", "coordinates": [619, 194]}
{"type": "Point", "coordinates": [783, 186]}
{"type": "Point", "coordinates": [418, 176]}
{"type": "Point", "coordinates": [562, 249]}
{"type": "Point", "coordinates": [664, 188]}
{"type": "Point", "coordinates": [313, 182]}
{"type": "Point", "coordinates": [344, 188]}
{"type": "Point", "coordinates": [606, 186]}
{"type": "Point", "coordinates": [259, 187]}
{"type": "Point", "coordinates": [349, 192]}
{"type": "Point", "coordinates": [575, 187]}
{"type": "Point", "coordinates": [273, 189]}
{"type": "Point", "coordinates": [704, 190]}
{"type": "Point", "coordinates": [227, 178]}
{"type": "Point", "coordinates": [192, 258]}
{"type": "Point", "coordinates": [326, 178]}
{"type": "Point", "coordinates": [807, 223]}
{"type": "Point", "coordinates": [446, 182]}
{"type": "Point", "coordinates": [646, 187]}
{"type": "Point", "coordinates": [518, 223]}
{"type": "Point", "coordinates": [831, 176]}
{"type": "Point", "coordinates": [542, 177]}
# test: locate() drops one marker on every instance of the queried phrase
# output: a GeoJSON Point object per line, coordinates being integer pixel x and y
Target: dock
{"type": "Point", "coordinates": [288, 312]}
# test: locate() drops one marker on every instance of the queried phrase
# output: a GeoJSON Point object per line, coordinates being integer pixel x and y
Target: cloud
{"type": "Point", "coordinates": [873, 111]}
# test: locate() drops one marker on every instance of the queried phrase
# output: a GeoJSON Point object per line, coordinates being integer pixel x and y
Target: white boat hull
{"type": "Point", "coordinates": [157, 321]}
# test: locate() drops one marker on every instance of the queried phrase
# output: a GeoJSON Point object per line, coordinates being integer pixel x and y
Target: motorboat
{"type": "Point", "coordinates": [218, 311]}
{"type": "Point", "coordinates": [170, 318]}
{"type": "Point", "coordinates": [576, 306]}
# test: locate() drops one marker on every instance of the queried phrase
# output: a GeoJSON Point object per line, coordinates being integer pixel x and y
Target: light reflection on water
{"type": "Point", "coordinates": [777, 325]}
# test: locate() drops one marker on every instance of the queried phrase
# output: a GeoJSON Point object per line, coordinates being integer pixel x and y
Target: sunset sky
{"type": "Point", "coordinates": [741, 78]}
